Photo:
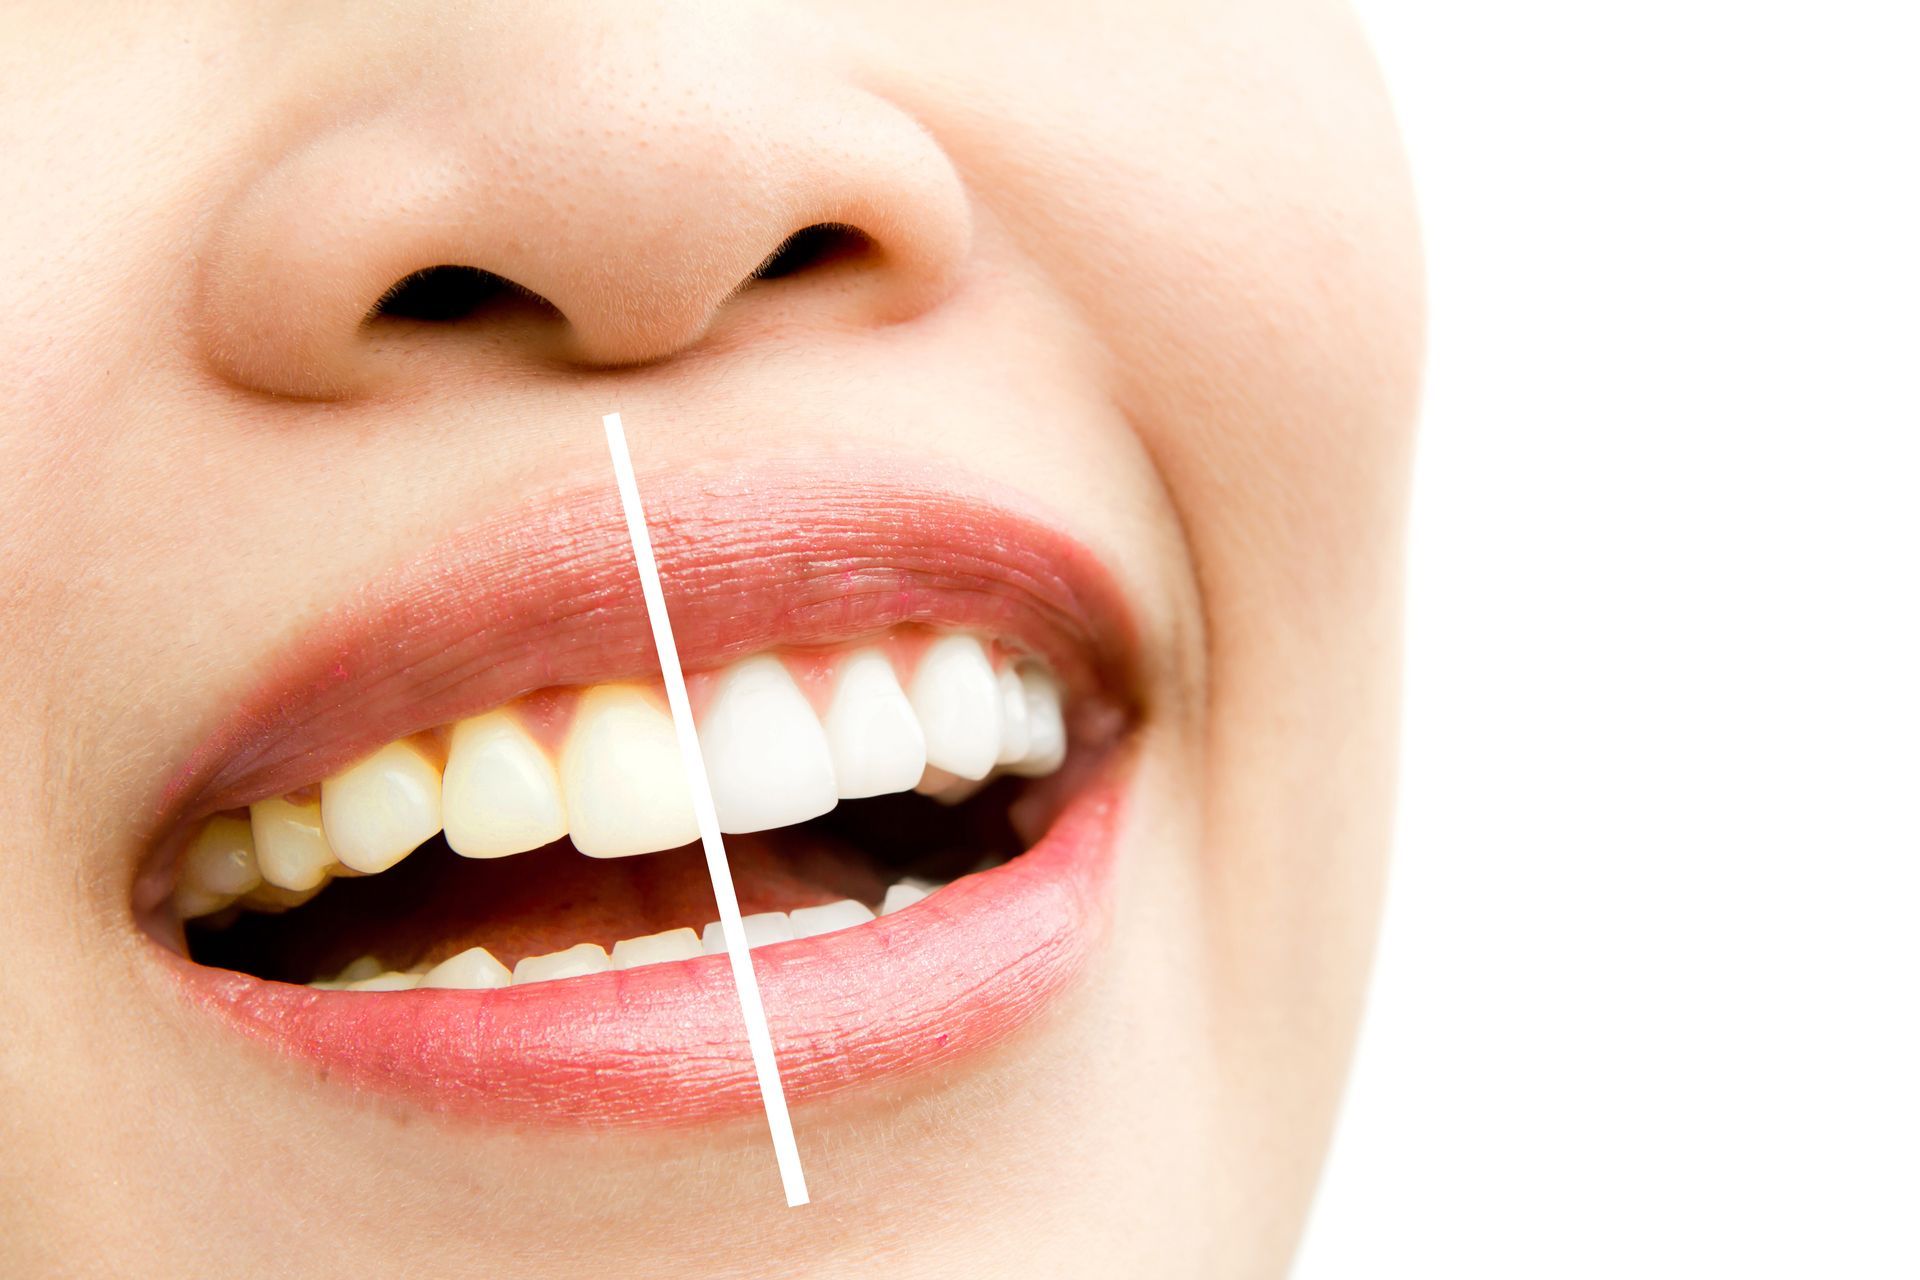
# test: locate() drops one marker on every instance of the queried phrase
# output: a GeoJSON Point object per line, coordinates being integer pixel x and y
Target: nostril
{"type": "Point", "coordinates": [445, 294]}
{"type": "Point", "coordinates": [820, 245]}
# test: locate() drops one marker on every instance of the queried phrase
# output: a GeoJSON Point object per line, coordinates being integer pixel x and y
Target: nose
{"type": "Point", "coordinates": [599, 191]}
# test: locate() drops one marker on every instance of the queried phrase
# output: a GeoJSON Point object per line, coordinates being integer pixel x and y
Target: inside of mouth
{"type": "Point", "coordinates": [436, 904]}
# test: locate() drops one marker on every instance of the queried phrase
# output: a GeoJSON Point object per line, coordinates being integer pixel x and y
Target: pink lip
{"type": "Point", "coordinates": [550, 597]}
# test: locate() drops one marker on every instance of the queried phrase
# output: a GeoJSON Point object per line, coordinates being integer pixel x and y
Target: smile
{"type": "Point", "coordinates": [445, 849]}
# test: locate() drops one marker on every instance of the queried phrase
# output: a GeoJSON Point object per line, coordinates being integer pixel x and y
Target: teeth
{"type": "Point", "coordinates": [389, 981]}
{"type": "Point", "coordinates": [574, 962]}
{"type": "Point", "coordinates": [872, 732]}
{"type": "Point", "coordinates": [474, 969]}
{"type": "Point", "coordinates": [766, 754]}
{"type": "Point", "coordinates": [1046, 728]}
{"type": "Point", "coordinates": [626, 790]}
{"type": "Point", "coordinates": [382, 809]}
{"type": "Point", "coordinates": [217, 867]}
{"type": "Point", "coordinates": [674, 944]}
{"type": "Point", "coordinates": [809, 922]}
{"type": "Point", "coordinates": [501, 794]}
{"type": "Point", "coordinates": [1014, 739]}
{"type": "Point", "coordinates": [904, 894]}
{"type": "Point", "coordinates": [957, 699]}
{"type": "Point", "coordinates": [364, 967]}
{"type": "Point", "coordinates": [271, 897]}
{"type": "Point", "coordinates": [761, 929]}
{"type": "Point", "coordinates": [291, 845]}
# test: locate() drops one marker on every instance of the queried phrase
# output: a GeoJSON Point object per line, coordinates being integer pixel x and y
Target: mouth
{"type": "Point", "coordinates": [445, 851]}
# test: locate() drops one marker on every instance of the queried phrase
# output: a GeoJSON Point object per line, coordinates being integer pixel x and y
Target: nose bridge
{"type": "Point", "coordinates": [633, 176]}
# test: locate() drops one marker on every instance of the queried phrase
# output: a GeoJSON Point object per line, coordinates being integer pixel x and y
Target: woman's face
{"type": "Point", "coordinates": [1094, 392]}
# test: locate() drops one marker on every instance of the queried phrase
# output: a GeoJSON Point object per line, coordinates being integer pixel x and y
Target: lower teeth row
{"type": "Point", "coordinates": [477, 969]}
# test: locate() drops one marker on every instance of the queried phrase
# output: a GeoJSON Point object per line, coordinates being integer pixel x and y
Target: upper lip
{"type": "Point", "coordinates": [751, 559]}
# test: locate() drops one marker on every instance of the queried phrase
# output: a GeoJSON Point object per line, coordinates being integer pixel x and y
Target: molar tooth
{"type": "Point", "coordinates": [381, 809]}
{"type": "Point", "coordinates": [872, 732]}
{"type": "Point", "coordinates": [761, 929]}
{"type": "Point", "coordinates": [474, 969]}
{"type": "Point", "coordinates": [1046, 727]}
{"type": "Point", "coordinates": [766, 754]}
{"type": "Point", "coordinates": [904, 894]}
{"type": "Point", "coordinates": [957, 699]}
{"type": "Point", "coordinates": [574, 962]}
{"type": "Point", "coordinates": [220, 861]}
{"type": "Point", "coordinates": [674, 944]}
{"type": "Point", "coordinates": [625, 786]}
{"type": "Point", "coordinates": [809, 922]}
{"type": "Point", "coordinates": [290, 843]}
{"type": "Point", "coordinates": [1014, 738]}
{"type": "Point", "coordinates": [501, 795]}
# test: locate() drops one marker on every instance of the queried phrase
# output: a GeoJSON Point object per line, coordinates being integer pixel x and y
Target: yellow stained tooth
{"type": "Point", "coordinates": [291, 844]}
{"type": "Point", "coordinates": [220, 860]}
{"type": "Point", "coordinates": [381, 809]}
{"type": "Point", "coordinates": [501, 794]}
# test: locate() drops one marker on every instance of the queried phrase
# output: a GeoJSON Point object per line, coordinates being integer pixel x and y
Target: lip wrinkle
{"type": "Point", "coordinates": [548, 595]}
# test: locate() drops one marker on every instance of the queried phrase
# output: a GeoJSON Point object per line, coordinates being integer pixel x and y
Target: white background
{"type": "Point", "coordinates": [1648, 996]}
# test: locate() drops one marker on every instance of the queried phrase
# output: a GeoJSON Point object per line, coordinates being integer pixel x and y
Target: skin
{"type": "Point", "coordinates": [1157, 268]}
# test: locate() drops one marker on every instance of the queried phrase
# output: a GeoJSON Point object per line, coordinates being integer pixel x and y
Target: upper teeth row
{"type": "Point", "coordinates": [617, 786]}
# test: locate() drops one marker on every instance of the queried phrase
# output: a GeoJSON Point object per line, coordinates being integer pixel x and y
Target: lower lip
{"type": "Point", "coordinates": [663, 1045]}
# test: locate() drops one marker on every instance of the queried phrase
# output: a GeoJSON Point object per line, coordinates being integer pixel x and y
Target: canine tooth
{"type": "Point", "coordinates": [674, 944]}
{"type": "Point", "coordinates": [472, 970]}
{"type": "Point", "coordinates": [903, 894]}
{"type": "Point", "coordinates": [957, 699]}
{"type": "Point", "coordinates": [381, 809]}
{"type": "Point", "coordinates": [1046, 728]}
{"type": "Point", "coordinates": [872, 731]}
{"type": "Point", "coordinates": [761, 929]}
{"type": "Point", "coordinates": [221, 860]}
{"type": "Point", "coordinates": [574, 962]}
{"type": "Point", "coordinates": [625, 787]}
{"type": "Point", "coordinates": [388, 981]}
{"type": "Point", "coordinates": [766, 754]}
{"type": "Point", "coordinates": [1014, 738]}
{"type": "Point", "coordinates": [290, 844]}
{"type": "Point", "coordinates": [949, 788]}
{"type": "Point", "coordinates": [501, 795]}
{"type": "Point", "coordinates": [809, 922]}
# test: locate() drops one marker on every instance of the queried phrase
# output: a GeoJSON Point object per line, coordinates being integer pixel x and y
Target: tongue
{"type": "Point", "coordinates": [437, 904]}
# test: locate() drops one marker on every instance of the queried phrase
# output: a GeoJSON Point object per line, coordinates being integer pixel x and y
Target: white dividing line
{"type": "Point", "coordinates": [758, 1039]}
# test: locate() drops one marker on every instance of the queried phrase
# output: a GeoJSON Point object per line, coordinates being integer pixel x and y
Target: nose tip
{"type": "Point", "coordinates": [611, 211]}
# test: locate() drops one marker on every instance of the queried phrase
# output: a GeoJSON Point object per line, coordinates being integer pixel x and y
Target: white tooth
{"type": "Point", "coordinates": [381, 809]}
{"type": "Point", "coordinates": [761, 928]}
{"type": "Point", "coordinates": [872, 732]}
{"type": "Point", "coordinates": [388, 981]}
{"type": "Point", "coordinates": [291, 846]}
{"type": "Point", "coordinates": [474, 969]}
{"type": "Point", "coordinates": [1046, 729]}
{"type": "Point", "coordinates": [674, 944]}
{"type": "Point", "coordinates": [766, 754]}
{"type": "Point", "coordinates": [949, 788]}
{"type": "Point", "coordinates": [220, 860]}
{"type": "Point", "coordinates": [1013, 717]}
{"type": "Point", "coordinates": [501, 795]}
{"type": "Point", "coordinates": [810, 922]}
{"type": "Point", "coordinates": [625, 786]}
{"type": "Point", "coordinates": [957, 699]}
{"type": "Point", "coordinates": [904, 894]}
{"type": "Point", "coordinates": [574, 962]}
